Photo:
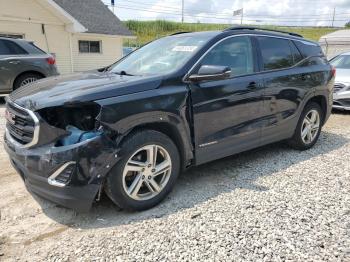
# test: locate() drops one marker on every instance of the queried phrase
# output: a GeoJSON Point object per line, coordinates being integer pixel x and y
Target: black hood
{"type": "Point", "coordinates": [80, 87]}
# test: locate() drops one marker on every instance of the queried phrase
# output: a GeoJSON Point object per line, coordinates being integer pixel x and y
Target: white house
{"type": "Point", "coordinates": [335, 43]}
{"type": "Point", "coordinates": [83, 34]}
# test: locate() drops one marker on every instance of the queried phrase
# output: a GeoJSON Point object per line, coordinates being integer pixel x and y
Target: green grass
{"type": "Point", "coordinates": [149, 30]}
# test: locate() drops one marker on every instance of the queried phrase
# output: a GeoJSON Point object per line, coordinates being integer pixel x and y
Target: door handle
{"type": "Point", "coordinates": [252, 86]}
{"type": "Point", "coordinates": [14, 62]}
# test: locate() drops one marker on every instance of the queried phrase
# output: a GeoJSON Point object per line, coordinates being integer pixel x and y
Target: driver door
{"type": "Point", "coordinates": [227, 113]}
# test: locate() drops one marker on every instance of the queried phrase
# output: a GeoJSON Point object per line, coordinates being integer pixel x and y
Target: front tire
{"type": "Point", "coordinates": [146, 173]}
{"type": "Point", "coordinates": [309, 127]}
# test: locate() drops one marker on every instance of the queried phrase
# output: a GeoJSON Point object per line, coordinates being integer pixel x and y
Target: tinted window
{"type": "Point", "coordinates": [276, 53]}
{"type": "Point", "coordinates": [10, 48]}
{"type": "Point", "coordinates": [15, 49]}
{"type": "Point", "coordinates": [4, 50]}
{"type": "Point", "coordinates": [309, 49]}
{"type": "Point", "coordinates": [34, 49]}
{"type": "Point", "coordinates": [236, 53]}
{"type": "Point", "coordinates": [341, 62]}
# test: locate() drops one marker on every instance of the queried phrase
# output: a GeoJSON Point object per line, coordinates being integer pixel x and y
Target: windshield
{"type": "Point", "coordinates": [161, 56]}
{"type": "Point", "coordinates": [342, 62]}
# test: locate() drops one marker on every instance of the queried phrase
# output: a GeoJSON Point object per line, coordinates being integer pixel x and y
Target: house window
{"type": "Point", "coordinates": [11, 35]}
{"type": "Point", "coordinates": [89, 46]}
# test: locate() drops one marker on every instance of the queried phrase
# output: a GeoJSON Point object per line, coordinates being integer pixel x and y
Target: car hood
{"type": "Point", "coordinates": [342, 76]}
{"type": "Point", "coordinates": [80, 87]}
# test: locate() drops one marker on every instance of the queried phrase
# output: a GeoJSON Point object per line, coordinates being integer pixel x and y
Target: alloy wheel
{"type": "Point", "coordinates": [28, 80]}
{"type": "Point", "coordinates": [147, 172]}
{"type": "Point", "coordinates": [310, 126]}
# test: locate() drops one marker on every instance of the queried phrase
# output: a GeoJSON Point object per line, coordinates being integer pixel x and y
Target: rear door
{"type": "Point", "coordinates": [10, 63]}
{"type": "Point", "coordinates": [227, 113]}
{"type": "Point", "coordinates": [285, 86]}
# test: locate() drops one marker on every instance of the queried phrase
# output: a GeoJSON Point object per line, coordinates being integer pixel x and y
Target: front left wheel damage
{"type": "Point", "coordinates": [73, 158]}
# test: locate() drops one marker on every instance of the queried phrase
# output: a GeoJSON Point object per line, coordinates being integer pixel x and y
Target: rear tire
{"type": "Point", "coordinates": [146, 173]}
{"type": "Point", "coordinates": [309, 127]}
{"type": "Point", "coordinates": [25, 79]}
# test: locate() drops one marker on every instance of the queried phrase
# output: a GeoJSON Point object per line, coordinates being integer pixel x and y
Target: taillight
{"type": "Point", "coordinates": [51, 60]}
{"type": "Point", "coordinates": [334, 71]}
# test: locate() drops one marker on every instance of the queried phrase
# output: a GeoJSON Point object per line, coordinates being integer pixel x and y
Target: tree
{"type": "Point", "coordinates": [347, 24]}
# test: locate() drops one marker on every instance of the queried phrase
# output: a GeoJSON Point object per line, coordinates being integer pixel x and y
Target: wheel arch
{"type": "Point", "coordinates": [24, 73]}
{"type": "Point", "coordinates": [321, 100]}
{"type": "Point", "coordinates": [173, 132]}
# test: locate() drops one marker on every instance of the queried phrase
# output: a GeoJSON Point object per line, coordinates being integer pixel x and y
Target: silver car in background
{"type": "Point", "coordinates": [341, 96]}
{"type": "Point", "coordinates": [21, 63]}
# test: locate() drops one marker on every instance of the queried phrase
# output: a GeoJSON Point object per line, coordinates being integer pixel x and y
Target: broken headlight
{"type": "Point", "coordinates": [79, 120]}
{"type": "Point", "coordinates": [82, 116]}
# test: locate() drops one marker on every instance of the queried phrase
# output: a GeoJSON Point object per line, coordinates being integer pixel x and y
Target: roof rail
{"type": "Point", "coordinates": [262, 29]}
{"type": "Point", "coordinates": [179, 33]}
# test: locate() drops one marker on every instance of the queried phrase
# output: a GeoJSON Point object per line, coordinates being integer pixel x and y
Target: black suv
{"type": "Point", "coordinates": [180, 101]}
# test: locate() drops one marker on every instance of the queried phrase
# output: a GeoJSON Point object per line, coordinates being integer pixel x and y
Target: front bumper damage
{"type": "Point", "coordinates": [90, 161]}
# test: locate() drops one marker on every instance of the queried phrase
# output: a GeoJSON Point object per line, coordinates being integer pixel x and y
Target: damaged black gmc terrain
{"type": "Point", "coordinates": [180, 101]}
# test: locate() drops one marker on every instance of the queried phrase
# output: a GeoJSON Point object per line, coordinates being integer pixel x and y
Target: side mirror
{"type": "Point", "coordinates": [211, 72]}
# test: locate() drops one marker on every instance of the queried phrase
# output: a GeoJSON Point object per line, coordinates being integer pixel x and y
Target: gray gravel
{"type": "Point", "coordinates": [270, 204]}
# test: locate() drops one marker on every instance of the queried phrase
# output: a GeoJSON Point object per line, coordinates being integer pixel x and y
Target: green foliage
{"type": "Point", "coordinates": [147, 31]}
{"type": "Point", "coordinates": [347, 24]}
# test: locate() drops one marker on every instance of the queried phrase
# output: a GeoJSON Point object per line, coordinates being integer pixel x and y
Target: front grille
{"type": "Point", "coordinates": [338, 87]}
{"type": "Point", "coordinates": [20, 124]}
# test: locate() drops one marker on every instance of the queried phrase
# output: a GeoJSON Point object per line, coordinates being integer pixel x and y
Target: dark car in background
{"type": "Point", "coordinates": [177, 102]}
{"type": "Point", "coordinates": [21, 63]}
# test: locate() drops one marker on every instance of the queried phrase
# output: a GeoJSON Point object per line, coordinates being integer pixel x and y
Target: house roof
{"type": "Point", "coordinates": [94, 16]}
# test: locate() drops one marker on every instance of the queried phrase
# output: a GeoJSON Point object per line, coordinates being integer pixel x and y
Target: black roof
{"type": "Point", "coordinates": [95, 16]}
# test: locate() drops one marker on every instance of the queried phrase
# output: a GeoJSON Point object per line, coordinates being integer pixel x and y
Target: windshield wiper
{"type": "Point", "coordinates": [123, 73]}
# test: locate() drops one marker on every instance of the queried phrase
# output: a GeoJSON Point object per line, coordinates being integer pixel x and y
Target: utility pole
{"type": "Point", "coordinates": [113, 5]}
{"type": "Point", "coordinates": [242, 17]}
{"type": "Point", "coordinates": [333, 17]}
{"type": "Point", "coordinates": [183, 11]}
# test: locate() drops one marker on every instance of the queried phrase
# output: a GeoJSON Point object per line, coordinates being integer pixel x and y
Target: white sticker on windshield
{"type": "Point", "coordinates": [184, 48]}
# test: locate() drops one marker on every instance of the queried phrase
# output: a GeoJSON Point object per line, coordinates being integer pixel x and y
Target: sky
{"type": "Point", "coordinates": [262, 12]}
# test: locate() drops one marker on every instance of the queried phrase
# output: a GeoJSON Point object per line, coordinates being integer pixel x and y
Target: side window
{"type": "Point", "coordinates": [10, 48]}
{"type": "Point", "coordinates": [15, 49]}
{"type": "Point", "coordinates": [276, 53]}
{"type": "Point", "coordinates": [4, 50]}
{"type": "Point", "coordinates": [235, 52]}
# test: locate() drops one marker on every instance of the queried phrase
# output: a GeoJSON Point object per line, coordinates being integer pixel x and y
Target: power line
{"type": "Point", "coordinates": [172, 9]}
{"type": "Point", "coordinates": [268, 19]}
{"type": "Point", "coordinates": [295, 19]}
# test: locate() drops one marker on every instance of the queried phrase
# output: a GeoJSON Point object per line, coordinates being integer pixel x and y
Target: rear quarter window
{"type": "Point", "coordinates": [32, 48]}
{"type": "Point", "coordinates": [308, 49]}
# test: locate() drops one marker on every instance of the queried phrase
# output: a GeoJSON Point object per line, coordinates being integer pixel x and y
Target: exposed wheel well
{"type": "Point", "coordinates": [25, 73]}
{"type": "Point", "coordinates": [171, 132]}
{"type": "Point", "coordinates": [322, 102]}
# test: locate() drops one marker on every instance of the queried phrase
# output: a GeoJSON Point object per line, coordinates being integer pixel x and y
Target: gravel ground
{"type": "Point", "coordinates": [269, 204]}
